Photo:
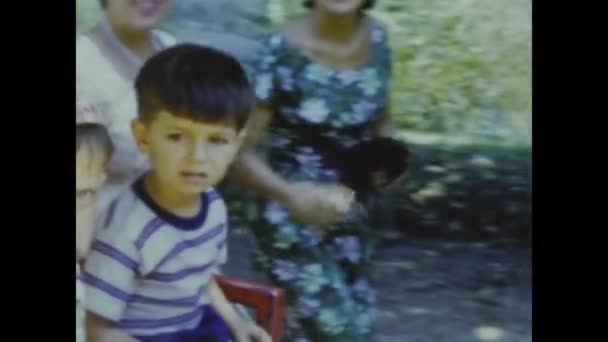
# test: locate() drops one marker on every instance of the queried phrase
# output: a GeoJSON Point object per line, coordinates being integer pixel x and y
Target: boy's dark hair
{"type": "Point", "coordinates": [95, 137]}
{"type": "Point", "coordinates": [194, 82]}
{"type": "Point", "coordinates": [367, 4]}
{"type": "Point", "coordinates": [103, 3]}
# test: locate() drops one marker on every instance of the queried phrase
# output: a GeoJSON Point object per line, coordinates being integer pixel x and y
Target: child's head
{"type": "Point", "coordinates": [93, 150]}
{"type": "Point", "coordinates": [193, 104]}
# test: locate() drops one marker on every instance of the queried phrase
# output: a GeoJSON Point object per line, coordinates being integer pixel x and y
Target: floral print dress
{"type": "Point", "coordinates": [318, 109]}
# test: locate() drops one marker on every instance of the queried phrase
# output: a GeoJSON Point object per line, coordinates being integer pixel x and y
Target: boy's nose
{"type": "Point", "coordinates": [199, 151]}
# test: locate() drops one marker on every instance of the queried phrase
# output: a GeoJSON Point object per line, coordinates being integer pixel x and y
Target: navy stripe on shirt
{"type": "Point", "coordinates": [213, 195]}
{"type": "Point", "coordinates": [158, 323]}
{"type": "Point", "coordinates": [115, 254]}
{"type": "Point", "coordinates": [117, 293]}
{"type": "Point", "coordinates": [110, 214]}
{"type": "Point", "coordinates": [169, 277]}
{"type": "Point", "coordinates": [182, 246]}
{"type": "Point", "coordinates": [186, 301]}
{"type": "Point", "coordinates": [150, 228]}
{"type": "Point", "coordinates": [105, 287]}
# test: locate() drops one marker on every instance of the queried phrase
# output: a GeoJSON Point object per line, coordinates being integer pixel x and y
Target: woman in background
{"type": "Point", "coordinates": [108, 58]}
{"type": "Point", "coordinates": [322, 84]}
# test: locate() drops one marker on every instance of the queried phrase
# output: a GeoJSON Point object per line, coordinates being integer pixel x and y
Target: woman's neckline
{"type": "Point", "coordinates": [357, 67]}
{"type": "Point", "coordinates": [114, 40]}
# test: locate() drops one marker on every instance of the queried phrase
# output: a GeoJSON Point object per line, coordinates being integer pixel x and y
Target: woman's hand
{"type": "Point", "coordinates": [318, 204]}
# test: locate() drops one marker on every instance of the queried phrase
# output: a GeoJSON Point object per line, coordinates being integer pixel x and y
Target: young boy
{"type": "Point", "coordinates": [93, 150]}
{"type": "Point", "coordinates": [149, 276]}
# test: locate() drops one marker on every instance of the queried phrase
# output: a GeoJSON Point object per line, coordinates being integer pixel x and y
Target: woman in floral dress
{"type": "Point", "coordinates": [322, 84]}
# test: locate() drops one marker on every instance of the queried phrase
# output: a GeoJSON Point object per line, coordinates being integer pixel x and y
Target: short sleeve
{"type": "Point", "coordinates": [110, 275]}
{"type": "Point", "coordinates": [264, 79]}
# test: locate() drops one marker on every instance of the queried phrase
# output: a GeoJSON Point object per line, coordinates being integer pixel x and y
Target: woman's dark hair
{"type": "Point", "coordinates": [103, 3]}
{"type": "Point", "coordinates": [367, 4]}
{"type": "Point", "coordinates": [194, 82]}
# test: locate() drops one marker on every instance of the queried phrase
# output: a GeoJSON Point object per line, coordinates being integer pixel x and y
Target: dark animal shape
{"type": "Point", "coordinates": [369, 166]}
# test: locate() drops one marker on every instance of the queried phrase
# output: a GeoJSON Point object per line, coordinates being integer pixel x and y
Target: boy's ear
{"type": "Point", "coordinates": [140, 134]}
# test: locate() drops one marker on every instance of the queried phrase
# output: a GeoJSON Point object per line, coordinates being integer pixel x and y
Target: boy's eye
{"type": "Point", "coordinates": [175, 136]}
{"type": "Point", "coordinates": [218, 140]}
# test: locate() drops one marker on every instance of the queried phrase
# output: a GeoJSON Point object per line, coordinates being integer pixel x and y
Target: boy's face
{"type": "Point", "coordinates": [90, 176]}
{"type": "Point", "coordinates": [188, 157]}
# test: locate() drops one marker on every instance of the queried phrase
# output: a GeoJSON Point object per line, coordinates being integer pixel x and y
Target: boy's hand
{"type": "Point", "coordinates": [246, 331]}
{"type": "Point", "coordinates": [316, 204]}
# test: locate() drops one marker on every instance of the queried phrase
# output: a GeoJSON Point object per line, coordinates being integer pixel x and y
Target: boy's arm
{"type": "Point", "coordinates": [242, 329]}
{"type": "Point", "coordinates": [100, 330]}
{"type": "Point", "coordinates": [223, 307]}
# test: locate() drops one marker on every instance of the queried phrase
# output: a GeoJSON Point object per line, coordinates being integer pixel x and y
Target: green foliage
{"type": "Point", "coordinates": [456, 189]}
{"type": "Point", "coordinates": [460, 66]}
{"type": "Point", "coordinates": [462, 191]}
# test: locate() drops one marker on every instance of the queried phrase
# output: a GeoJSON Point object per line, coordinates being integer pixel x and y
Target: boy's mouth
{"type": "Point", "coordinates": [193, 177]}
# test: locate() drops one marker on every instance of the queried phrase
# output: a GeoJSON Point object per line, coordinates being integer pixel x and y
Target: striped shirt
{"type": "Point", "coordinates": [148, 270]}
{"type": "Point", "coordinates": [80, 320]}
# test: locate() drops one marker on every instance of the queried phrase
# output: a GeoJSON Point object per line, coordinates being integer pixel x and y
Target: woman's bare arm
{"type": "Point", "coordinates": [309, 203]}
{"type": "Point", "coordinates": [249, 169]}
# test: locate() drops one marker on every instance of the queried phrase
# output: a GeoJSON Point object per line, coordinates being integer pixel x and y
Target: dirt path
{"type": "Point", "coordinates": [439, 291]}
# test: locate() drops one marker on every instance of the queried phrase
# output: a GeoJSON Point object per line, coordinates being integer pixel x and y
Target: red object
{"type": "Point", "coordinates": [267, 301]}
